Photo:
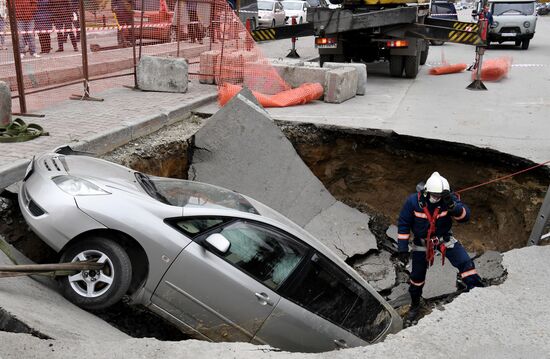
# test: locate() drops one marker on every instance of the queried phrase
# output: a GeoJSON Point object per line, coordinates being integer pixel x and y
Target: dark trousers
{"type": "Point", "coordinates": [458, 258]}
{"type": "Point", "coordinates": [62, 36]}
{"type": "Point", "coordinates": [45, 42]}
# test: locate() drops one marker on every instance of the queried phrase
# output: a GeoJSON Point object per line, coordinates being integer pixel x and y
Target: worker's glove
{"type": "Point", "coordinates": [448, 200]}
{"type": "Point", "coordinates": [403, 257]}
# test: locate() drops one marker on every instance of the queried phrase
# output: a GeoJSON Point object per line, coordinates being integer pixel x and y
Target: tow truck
{"type": "Point", "coordinates": [397, 31]}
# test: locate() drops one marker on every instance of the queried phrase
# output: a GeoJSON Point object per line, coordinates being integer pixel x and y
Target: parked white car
{"type": "Point", "coordinates": [270, 13]}
{"type": "Point", "coordinates": [296, 9]}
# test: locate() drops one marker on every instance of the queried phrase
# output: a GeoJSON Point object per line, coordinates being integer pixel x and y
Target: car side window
{"type": "Point", "coordinates": [329, 292]}
{"type": "Point", "coordinates": [265, 254]}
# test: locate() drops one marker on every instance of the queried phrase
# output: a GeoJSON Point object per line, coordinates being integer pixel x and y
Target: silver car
{"type": "Point", "coordinates": [219, 265]}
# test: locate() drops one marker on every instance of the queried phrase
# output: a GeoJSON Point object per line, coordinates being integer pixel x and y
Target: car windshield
{"type": "Point", "coordinates": [266, 5]}
{"type": "Point", "coordinates": [513, 8]}
{"type": "Point", "coordinates": [183, 193]}
{"type": "Point", "coordinates": [443, 9]}
{"type": "Point", "coordinates": [292, 5]}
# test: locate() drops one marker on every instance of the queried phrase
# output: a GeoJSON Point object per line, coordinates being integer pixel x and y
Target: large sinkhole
{"type": "Point", "coordinates": [371, 172]}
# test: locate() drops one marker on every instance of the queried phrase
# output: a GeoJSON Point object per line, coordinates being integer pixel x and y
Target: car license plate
{"type": "Point", "coordinates": [509, 34]}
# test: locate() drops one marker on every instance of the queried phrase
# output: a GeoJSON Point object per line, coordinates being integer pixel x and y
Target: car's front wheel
{"type": "Point", "coordinates": [97, 289]}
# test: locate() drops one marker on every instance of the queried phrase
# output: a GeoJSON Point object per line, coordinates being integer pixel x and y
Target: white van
{"type": "Point", "coordinates": [513, 20]}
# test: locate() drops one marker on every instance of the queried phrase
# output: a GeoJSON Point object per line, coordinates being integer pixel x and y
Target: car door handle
{"type": "Point", "coordinates": [263, 299]}
{"type": "Point", "coordinates": [340, 343]}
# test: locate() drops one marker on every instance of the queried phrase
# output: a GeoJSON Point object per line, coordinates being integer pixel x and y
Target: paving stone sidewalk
{"type": "Point", "coordinates": [98, 127]}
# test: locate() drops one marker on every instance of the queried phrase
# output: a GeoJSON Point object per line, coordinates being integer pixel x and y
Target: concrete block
{"type": "Point", "coordinates": [361, 73]}
{"type": "Point", "coordinates": [234, 65]}
{"type": "Point", "coordinates": [163, 74]}
{"type": "Point", "coordinates": [262, 77]}
{"type": "Point", "coordinates": [297, 75]}
{"type": "Point", "coordinates": [440, 280]}
{"type": "Point", "coordinates": [378, 270]}
{"type": "Point", "coordinates": [5, 104]}
{"type": "Point", "coordinates": [489, 266]}
{"type": "Point", "coordinates": [311, 64]}
{"type": "Point", "coordinates": [209, 66]}
{"type": "Point", "coordinates": [340, 84]}
{"type": "Point", "coordinates": [286, 61]}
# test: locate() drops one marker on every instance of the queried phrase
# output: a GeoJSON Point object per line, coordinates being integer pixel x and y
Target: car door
{"type": "Point", "coordinates": [227, 296]}
{"type": "Point", "coordinates": [322, 308]}
{"type": "Point", "coordinates": [279, 14]}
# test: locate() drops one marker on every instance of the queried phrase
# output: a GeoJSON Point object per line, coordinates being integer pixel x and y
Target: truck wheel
{"type": "Point", "coordinates": [525, 44]}
{"type": "Point", "coordinates": [396, 65]}
{"type": "Point", "coordinates": [424, 55]}
{"type": "Point", "coordinates": [412, 63]}
{"type": "Point", "coordinates": [518, 42]}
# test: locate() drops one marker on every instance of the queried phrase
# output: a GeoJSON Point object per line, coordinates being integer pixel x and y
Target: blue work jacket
{"type": "Point", "coordinates": [412, 218]}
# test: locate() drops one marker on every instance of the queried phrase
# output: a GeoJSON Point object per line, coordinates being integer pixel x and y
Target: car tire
{"type": "Point", "coordinates": [412, 65]}
{"type": "Point", "coordinates": [525, 44]}
{"type": "Point", "coordinates": [396, 65]}
{"type": "Point", "coordinates": [95, 290]}
{"type": "Point", "coordinates": [424, 55]}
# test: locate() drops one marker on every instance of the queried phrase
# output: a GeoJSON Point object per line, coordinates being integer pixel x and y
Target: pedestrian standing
{"type": "Point", "coordinates": [63, 20]}
{"type": "Point", "coordinates": [2, 24]}
{"type": "Point", "coordinates": [429, 214]}
{"type": "Point", "coordinates": [75, 7]}
{"type": "Point", "coordinates": [43, 24]}
{"type": "Point", "coordinates": [24, 16]}
{"type": "Point", "coordinates": [123, 12]}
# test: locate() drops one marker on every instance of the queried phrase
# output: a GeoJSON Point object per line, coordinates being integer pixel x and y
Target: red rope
{"type": "Point", "coordinates": [503, 177]}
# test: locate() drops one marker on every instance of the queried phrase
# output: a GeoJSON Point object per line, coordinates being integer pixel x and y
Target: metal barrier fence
{"type": "Point", "coordinates": [63, 47]}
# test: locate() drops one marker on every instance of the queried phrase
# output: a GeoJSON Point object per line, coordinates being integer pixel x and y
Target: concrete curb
{"type": "Point", "coordinates": [113, 137]}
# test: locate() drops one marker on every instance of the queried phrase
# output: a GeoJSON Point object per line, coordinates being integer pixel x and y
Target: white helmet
{"type": "Point", "coordinates": [435, 185]}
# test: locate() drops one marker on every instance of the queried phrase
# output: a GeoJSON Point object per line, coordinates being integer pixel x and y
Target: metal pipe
{"type": "Point", "coordinates": [141, 27]}
{"type": "Point", "coordinates": [17, 57]}
{"type": "Point", "coordinates": [132, 29]}
{"type": "Point", "coordinates": [541, 221]}
{"type": "Point", "coordinates": [84, 46]}
{"type": "Point", "coordinates": [178, 24]}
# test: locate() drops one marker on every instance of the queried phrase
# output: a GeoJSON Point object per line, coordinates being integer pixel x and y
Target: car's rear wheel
{"type": "Point", "coordinates": [97, 289]}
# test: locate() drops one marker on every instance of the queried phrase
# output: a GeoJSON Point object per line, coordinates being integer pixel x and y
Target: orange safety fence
{"type": "Point", "coordinates": [208, 33]}
{"type": "Point", "coordinates": [448, 69]}
{"type": "Point", "coordinates": [298, 96]}
{"type": "Point", "coordinates": [495, 69]}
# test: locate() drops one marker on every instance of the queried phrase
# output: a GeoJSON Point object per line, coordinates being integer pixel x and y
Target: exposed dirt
{"type": "Point", "coordinates": [379, 172]}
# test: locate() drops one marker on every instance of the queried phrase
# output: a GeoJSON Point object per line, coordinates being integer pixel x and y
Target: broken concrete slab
{"type": "Point", "coordinates": [361, 73]}
{"type": "Point", "coordinates": [340, 85]}
{"type": "Point", "coordinates": [209, 66]}
{"type": "Point", "coordinates": [343, 229]}
{"type": "Point", "coordinates": [440, 280]}
{"type": "Point", "coordinates": [241, 148]}
{"type": "Point", "coordinates": [46, 312]}
{"type": "Point", "coordinates": [5, 104]}
{"type": "Point", "coordinates": [489, 266]}
{"type": "Point", "coordinates": [378, 270]}
{"type": "Point", "coordinates": [163, 74]}
{"type": "Point", "coordinates": [399, 295]}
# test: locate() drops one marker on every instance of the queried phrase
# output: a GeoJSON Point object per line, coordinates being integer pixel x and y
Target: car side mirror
{"type": "Point", "coordinates": [219, 242]}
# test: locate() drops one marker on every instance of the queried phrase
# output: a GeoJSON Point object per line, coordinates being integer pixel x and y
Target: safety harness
{"type": "Point", "coordinates": [432, 241]}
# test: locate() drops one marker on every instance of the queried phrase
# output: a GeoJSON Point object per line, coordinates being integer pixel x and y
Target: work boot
{"type": "Point", "coordinates": [412, 316]}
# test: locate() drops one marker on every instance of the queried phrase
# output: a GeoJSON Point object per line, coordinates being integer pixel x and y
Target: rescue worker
{"type": "Point", "coordinates": [428, 214]}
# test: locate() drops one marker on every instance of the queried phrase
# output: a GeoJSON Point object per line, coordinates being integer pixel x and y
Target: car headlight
{"type": "Point", "coordinates": [495, 24]}
{"type": "Point", "coordinates": [526, 24]}
{"type": "Point", "coordinates": [77, 186]}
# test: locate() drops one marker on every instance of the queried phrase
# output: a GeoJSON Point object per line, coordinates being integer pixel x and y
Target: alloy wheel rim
{"type": "Point", "coordinates": [92, 283]}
